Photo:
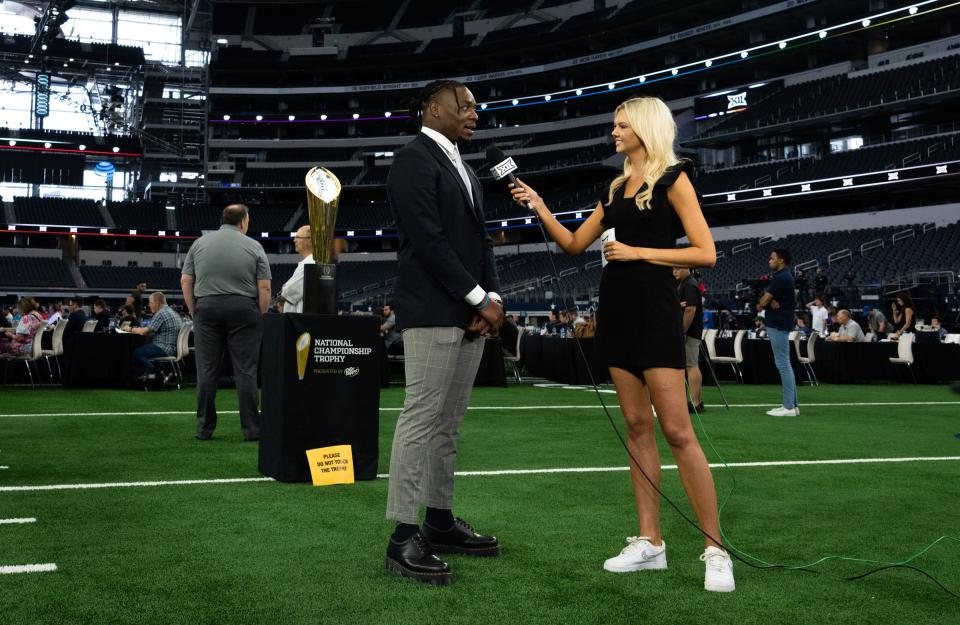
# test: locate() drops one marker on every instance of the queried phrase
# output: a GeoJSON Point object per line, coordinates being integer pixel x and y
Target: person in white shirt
{"type": "Point", "coordinates": [818, 316]}
{"type": "Point", "coordinates": [291, 295]}
{"type": "Point", "coordinates": [849, 332]}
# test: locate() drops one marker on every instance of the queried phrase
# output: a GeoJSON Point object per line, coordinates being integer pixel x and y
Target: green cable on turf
{"type": "Point", "coordinates": [729, 544]}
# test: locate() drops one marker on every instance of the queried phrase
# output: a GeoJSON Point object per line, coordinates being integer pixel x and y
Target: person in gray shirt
{"type": "Point", "coordinates": [849, 332]}
{"type": "Point", "coordinates": [226, 286]}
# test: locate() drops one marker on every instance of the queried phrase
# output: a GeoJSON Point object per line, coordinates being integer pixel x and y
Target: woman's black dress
{"type": "Point", "coordinates": [639, 319]}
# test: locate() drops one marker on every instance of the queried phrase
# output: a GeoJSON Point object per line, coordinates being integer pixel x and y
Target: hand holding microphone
{"type": "Point", "coordinates": [502, 170]}
{"type": "Point", "coordinates": [525, 196]}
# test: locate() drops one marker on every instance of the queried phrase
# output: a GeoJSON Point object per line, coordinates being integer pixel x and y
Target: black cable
{"type": "Point", "coordinates": [683, 515]}
{"type": "Point", "coordinates": [633, 459]}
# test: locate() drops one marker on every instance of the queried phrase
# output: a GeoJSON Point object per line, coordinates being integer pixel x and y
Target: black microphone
{"type": "Point", "coordinates": [503, 169]}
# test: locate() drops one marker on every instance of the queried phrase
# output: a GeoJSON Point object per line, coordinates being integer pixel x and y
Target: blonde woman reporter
{"type": "Point", "coordinates": [647, 209]}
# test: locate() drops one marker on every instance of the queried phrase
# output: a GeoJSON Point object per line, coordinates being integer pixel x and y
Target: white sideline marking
{"type": "Point", "coordinates": [27, 568]}
{"type": "Point", "coordinates": [18, 521]}
{"type": "Point", "coordinates": [2, 467]}
{"type": "Point", "coordinates": [233, 480]}
{"type": "Point", "coordinates": [239, 480]}
{"type": "Point", "coordinates": [476, 408]}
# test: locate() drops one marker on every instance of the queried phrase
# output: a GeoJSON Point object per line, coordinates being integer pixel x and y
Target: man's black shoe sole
{"type": "Point", "coordinates": [434, 579]}
{"type": "Point", "coordinates": [478, 552]}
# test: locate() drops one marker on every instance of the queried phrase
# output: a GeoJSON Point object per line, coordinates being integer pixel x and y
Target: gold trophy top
{"type": "Point", "coordinates": [323, 199]}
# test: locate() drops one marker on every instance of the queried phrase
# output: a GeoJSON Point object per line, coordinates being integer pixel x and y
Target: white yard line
{"type": "Point", "coordinates": [479, 408]}
{"type": "Point", "coordinates": [27, 568]}
{"type": "Point", "coordinates": [41, 487]}
{"type": "Point", "coordinates": [18, 521]}
{"type": "Point", "coordinates": [495, 473]}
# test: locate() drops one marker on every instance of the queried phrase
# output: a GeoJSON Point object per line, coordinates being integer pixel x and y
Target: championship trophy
{"type": "Point", "coordinates": [320, 279]}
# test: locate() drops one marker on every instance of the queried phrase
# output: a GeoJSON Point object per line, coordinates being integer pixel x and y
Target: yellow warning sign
{"type": "Point", "coordinates": [331, 465]}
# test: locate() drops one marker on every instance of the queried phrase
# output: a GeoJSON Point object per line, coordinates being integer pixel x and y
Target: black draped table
{"type": "Point", "coordinates": [842, 363]}
{"type": "Point", "coordinates": [321, 378]}
{"type": "Point", "coordinates": [99, 359]}
{"type": "Point", "coordinates": [491, 371]}
{"type": "Point", "coordinates": [560, 360]}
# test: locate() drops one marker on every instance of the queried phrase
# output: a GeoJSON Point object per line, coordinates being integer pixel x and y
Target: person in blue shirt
{"type": "Point", "coordinates": [779, 299]}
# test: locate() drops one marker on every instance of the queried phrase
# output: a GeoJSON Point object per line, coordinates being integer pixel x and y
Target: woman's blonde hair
{"type": "Point", "coordinates": [652, 122]}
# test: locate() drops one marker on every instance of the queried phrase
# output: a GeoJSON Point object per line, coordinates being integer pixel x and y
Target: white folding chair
{"type": "Point", "coordinates": [36, 353]}
{"type": "Point", "coordinates": [734, 361]}
{"type": "Point", "coordinates": [56, 347]}
{"type": "Point", "coordinates": [89, 325]}
{"type": "Point", "coordinates": [515, 360]}
{"type": "Point", "coordinates": [183, 349]}
{"type": "Point", "coordinates": [807, 361]}
{"type": "Point", "coordinates": [905, 353]}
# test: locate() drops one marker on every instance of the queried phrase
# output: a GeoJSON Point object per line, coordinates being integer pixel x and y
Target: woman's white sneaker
{"type": "Point", "coordinates": [719, 573]}
{"type": "Point", "coordinates": [638, 555]}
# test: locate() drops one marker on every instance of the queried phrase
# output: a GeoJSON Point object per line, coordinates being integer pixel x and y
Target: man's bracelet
{"type": "Point", "coordinates": [486, 302]}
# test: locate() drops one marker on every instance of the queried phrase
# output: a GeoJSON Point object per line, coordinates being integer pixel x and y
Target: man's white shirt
{"type": "Point", "coordinates": [292, 291]}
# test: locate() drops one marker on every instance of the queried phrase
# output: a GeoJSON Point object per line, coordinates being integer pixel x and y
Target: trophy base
{"type": "Point", "coordinates": [320, 289]}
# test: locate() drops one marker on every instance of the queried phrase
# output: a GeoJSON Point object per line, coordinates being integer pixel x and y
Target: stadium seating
{"type": "Point", "coordinates": [837, 94]}
{"type": "Point", "coordinates": [57, 211]}
{"type": "Point", "coordinates": [31, 272]}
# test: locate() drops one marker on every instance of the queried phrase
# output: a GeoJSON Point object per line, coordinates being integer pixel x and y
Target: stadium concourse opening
{"type": "Point", "coordinates": [820, 144]}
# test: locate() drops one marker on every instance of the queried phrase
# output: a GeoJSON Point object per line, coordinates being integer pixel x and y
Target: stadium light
{"type": "Point", "coordinates": [291, 117]}
{"type": "Point", "coordinates": [744, 54]}
{"type": "Point", "coordinates": [259, 118]}
{"type": "Point", "coordinates": [611, 86]}
{"type": "Point", "coordinates": [116, 149]}
{"type": "Point", "coordinates": [356, 115]}
{"type": "Point", "coordinates": [516, 101]}
{"type": "Point", "coordinates": [47, 144]}
{"type": "Point", "coordinates": [708, 64]}
{"type": "Point", "coordinates": [913, 10]}
{"type": "Point", "coordinates": [226, 118]}
{"type": "Point", "coordinates": [82, 147]}
{"type": "Point", "coordinates": [865, 23]}
{"type": "Point", "coordinates": [579, 92]}
{"type": "Point", "coordinates": [12, 142]}
{"type": "Point", "coordinates": [547, 97]}
{"type": "Point", "coordinates": [44, 47]}
{"type": "Point", "coordinates": [387, 114]}
{"type": "Point", "coordinates": [222, 41]}
{"type": "Point", "coordinates": [782, 45]}
{"type": "Point", "coordinates": [674, 71]}
{"type": "Point", "coordinates": [323, 117]}
{"type": "Point", "coordinates": [483, 107]}
{"type": "Point", "coordinates": [642, 79]}
{"type": "Point", "coordinates": [823, 34]}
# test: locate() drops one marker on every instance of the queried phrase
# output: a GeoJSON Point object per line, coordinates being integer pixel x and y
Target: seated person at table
{"type": "Point", "coordinates": [19, 341]}
{"type": "Point", "coordinates": [126, 318]}
{"type": "Point", "coordinates": [849, 330]}
{"type": "Point", "coordinates": [101, 315]}
{"type": "Point", "coordinates": [75, 319]}
{"type": "Point", "coordinates": [878, 323]}
{"type": "Point", "coordinates": [938, 328]}
{"type": "Point", "coordinates": [802, 326]}
{"type": "Point", "coordinates": [163, 329]}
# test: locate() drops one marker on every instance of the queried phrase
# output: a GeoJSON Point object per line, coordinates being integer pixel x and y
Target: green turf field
{"type": "Point", "coordinates": [264, 552]}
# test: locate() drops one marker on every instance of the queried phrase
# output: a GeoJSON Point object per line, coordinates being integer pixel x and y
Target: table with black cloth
{"type": "Point", "coordinates": [491, 371]}
{"type": "Point", "coordinates": [841, 363]}
{"type": "Point", "coordinates": [99, 359]}
{"type": "Point", "coordinates": [333, 400]}
{"type": "Point", "coordinates": [559, 359]}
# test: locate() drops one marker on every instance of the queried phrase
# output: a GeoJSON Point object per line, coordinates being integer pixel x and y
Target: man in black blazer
{"type": "Point", "coordinates": [445, 299]}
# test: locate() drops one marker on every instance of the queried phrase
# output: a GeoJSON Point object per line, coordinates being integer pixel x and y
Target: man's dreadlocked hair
{"type": "Point", "coordinates": [428, 93]}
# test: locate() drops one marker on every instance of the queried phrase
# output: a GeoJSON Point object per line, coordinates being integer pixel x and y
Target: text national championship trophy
{"type": "Point", "coordinates": [320, 280]}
